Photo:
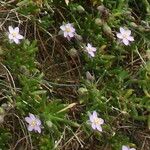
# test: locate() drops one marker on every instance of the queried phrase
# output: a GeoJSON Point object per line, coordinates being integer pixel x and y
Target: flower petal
{"type": "Point", "coordinates": [71, 34]}
{"type": "Point", "coordinates": [11, 30]}
{"type": "Point", "coordinates": [125, 41]}
{"type": "Point", "coordinates": [16, 40]}
{"type": "Point", "coordinates": [119, 35]}
{"type": "Point", "coordinates": [16, 29]}
{"type": "Point", "coordinates": [65, 34]}
{"type": "Point", "coordinates": [89, 45]}
{"type": "Point", "coordinates": [32, 116]}
{"type": "Point", "coordinates": [30, 128]}
{"type": "Point", "coordinates": [37, 128]}
{"type": "Point", "coordinates": [128, 32]}
{"type": "Point", "coordinates": [62, 27]}
{"type": "Point", "coordinates": [19, 36]}
{"type": "Point", "coordinates": [125, 147]}
{"type": "Point", "coordinates": [10, 36]}
{"type": "Point", "coordinates": [94, 114]}
{"type": "Point", "coordinates": [38, 121]}
{"type": "Point", "coordinates": [132, 149]}
{"type": "Point", "coordinates": [28, 120]}
{"type": "Point", "coordinates": [122, 30]}
{"type": "Point", "coordinates": [91, 54]}
{"type": "Point", "coordinates": [101, 121]}
{"type": "Point", "coordinates": [130, 38]}
{"type": "Point", "coordinates": [94, 49]}
{"type": "Point", "coordinates": [93, 126]}
{"type": "Point", "coordinates": [99, 128]}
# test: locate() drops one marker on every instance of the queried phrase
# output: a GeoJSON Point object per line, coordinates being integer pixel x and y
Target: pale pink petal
{"type": "Point", "coordinates": [125, 41]}
{"type": "Point", "coordinates": [16, 29]}
{"type": "Point", "coordinates": [28, 120]}
{"type": "Point", "coordinates": [16, 40]}
{"type": "Point", "coordinates": [68, 25]}
{"type": "Point", "coordinates": [38, 122]}
{"type": "Point", "coordinates": [30, 128]}
{"type": "Point", "coordinates": [132, 149]}
{"type": "Point", "coordinates": [128, 32]}
{"type": "Point", "coordinates": [93, 126]}
{"type": "Point", "coordinates": [91, 118]}
{"type": "Point", "coordinates": [130, 38]}
{"type": "Point", "coordinates": [19, 36]}
{"type": "Point", "coordinates": [119, 35]}
{"type": "Point", "coordinates": [122, 30]}
{"type": "Point", "coordinates": [99, 128]}
{"type": "Point", "coordinates": [71, 34]}
{"type": "Point", "coordinates": [65, 34]}
{"type": "Point", "coordinates": [125, 147]}
{"type": "Point", "coordinates": [91, 54]}
{"type": "Point", "coordinates": [32, 116]}
{"type": "Point", "coordinates": [94, 49]}
{"type": "Point", "coordinates": [11, 30]}
{"type": "Point", "coordinates": [101, 121]}
{"type": "Point", "coordinates": [37, 128]}
{"type": "Point", "coordinates": [72, 29]}
{"type": "Point", "coordinates": [89, 45]}
{"type": "Point", "coordinates": [10, 36]}
{"type": "Point", "coordinates": [94, 114]}
{"type": "Point", "coordinates": [62, 27]}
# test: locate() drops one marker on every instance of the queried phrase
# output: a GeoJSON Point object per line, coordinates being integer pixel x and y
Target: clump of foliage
{"type": "Point", "coordinates": [71, 63]}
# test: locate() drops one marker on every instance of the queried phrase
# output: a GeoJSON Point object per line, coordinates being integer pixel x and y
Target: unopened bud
{"type": "Point", "coordinates": [89, 76]}
{"type": "Point", "coordinates": [107, 29]}
{"type": "Point", "coordinates": [80, 9]}
{"type": "Point", "coordinates": [82, 91]}
{"type": "Point", "coordinates": [73, 52]}
{"type": "Point", "coordinates": [98, 21]}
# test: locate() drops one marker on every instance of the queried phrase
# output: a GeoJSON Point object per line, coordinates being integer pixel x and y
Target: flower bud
{"type": "Point", "coordinates": [98, 21]}
{"type": "Point", "coordinates": [73, 52]}
{"type": "Point", "coordinates": [89, 76]}
{"type": "Point", "coordinates": [82, 91]}
{"type": "Point", "coordinates": [1, 119]}
{"type": "Point", "coordinates": [107, 30]}
{"type": "Point", "coordinates": [101, 8]}
{"type": "Point", "coordinates": [49, 123]}
{"type": "Point", "coordinates": [80, 9]}
{"type": "Point", "coordinates": [133, 24]}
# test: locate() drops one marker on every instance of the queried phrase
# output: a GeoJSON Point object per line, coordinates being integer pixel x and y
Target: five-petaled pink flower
{"type": "Point", "coordinates": [125, 36]}
{"type": "Point", "coordinates": [14, 35]}
{"type": "Point", "coordinates": [96, 122]}
{"type": "Point", "coordinates": [90, 50]}
{"type": "Point", "coordinates": [127, 148]}
{"type": "Point", "coordinates": [34, 123]}
{"type": "Point", "coordinates": [68, 30]}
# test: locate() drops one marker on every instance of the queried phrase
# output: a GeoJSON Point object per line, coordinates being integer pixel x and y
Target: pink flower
{"type": "Point", "coordinates": [14, 35]}
{"type": "Point", "coordinates": [125, 36]}
{"type": "Point", "coordinates": [90, 50]}
{"type": "Point", "coordinates": [96, 122]}
{"type": "Point", "coordinates": [34, 123]}
{"type": "Point", "coordinates": [127, 148]}
{"type": "Point", "coordinates": [68, 30]}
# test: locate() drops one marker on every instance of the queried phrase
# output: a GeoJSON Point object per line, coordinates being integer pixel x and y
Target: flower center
{"type": "Point", "coordinates": [68, 30]}
{"type": "Point", "coordinates": [96, 121]}
{"type": "Point", "coordinates": [33, 123]}
{"type": "Point", "coordinates": [125, 36]}
{"type": "Point", "coordinates": [14, 34]}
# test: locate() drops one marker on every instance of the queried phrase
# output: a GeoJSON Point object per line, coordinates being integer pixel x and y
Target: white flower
{"type": "Point", "coordinates": [125, 36]}
{"type": "Point", "coordinates": [68, 30]}
{"type": "Point", "coordinates": [90, 50]}
{"type": "Point", "coordinates": [96, 122]}
{"type": "Point", "coordinates": [127, 148]}
{"type": "Point", "coordinates": [14, 35]}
